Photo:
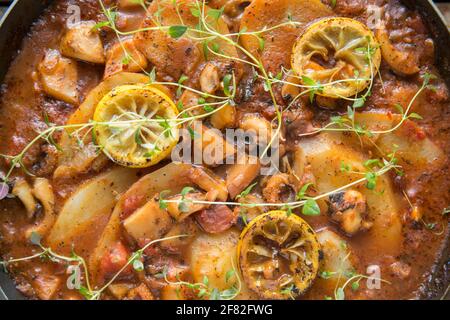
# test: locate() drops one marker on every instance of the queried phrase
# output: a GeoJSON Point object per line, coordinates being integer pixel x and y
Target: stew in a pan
{"type": "Point", "coordinates": [224, 149]}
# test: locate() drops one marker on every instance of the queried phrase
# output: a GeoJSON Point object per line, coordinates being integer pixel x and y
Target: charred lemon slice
{"type": "Point", "coordinates": [278, 255]}
{"type": "Point", "coordinates": [339, 53]}
{"type": "Point", "coordinates": [136, 125]}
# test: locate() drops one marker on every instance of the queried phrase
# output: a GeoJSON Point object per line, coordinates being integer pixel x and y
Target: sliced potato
{"type": "Point", "coordinates": [83, 42]}
{"type": "Point", "coordinates": [59, 77]}
{"type": "Point", "coordinates": [89, 208]}
{"type": "Point", "coordinates": [337, 257]}
{"type": "Point", "coordinates": [325, 155]}
{"type": "Point", "coordinates": [171, 177]}
{"type": "Point", "coordinates": [412, 147]}
{"type": "Point", "coordinates": [212, 256]}
{"type": "Point", "coordinates": [278, 43]}
{"type": "Point", "coordinates": [337, 264]}
{"type": "Point", "coordinates": [418, 153]}
{"type": "Point", "coordinates": [124, 56]}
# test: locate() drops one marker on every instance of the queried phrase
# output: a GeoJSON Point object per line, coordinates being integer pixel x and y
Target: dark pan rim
{"type": "Point", "coordinates": [16, 23]}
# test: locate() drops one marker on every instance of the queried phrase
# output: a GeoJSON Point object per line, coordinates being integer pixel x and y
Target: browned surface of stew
{"type": "Point", "coordinates": [408, 269]}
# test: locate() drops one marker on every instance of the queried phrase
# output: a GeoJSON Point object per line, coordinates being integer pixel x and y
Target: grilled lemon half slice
{"type": "Point", "coordinates": [136, 125]}
{"type": "Point", "coordinates": [341, 54]}
{"type": "Point", "coordinates": [278, 255]}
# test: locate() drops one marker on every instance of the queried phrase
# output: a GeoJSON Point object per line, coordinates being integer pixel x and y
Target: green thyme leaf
{"type": "Point", "coordinates": [35, 238]}
{"type": "Point", "coordinates": [177, 31]}
{"type": "Point", "coordinates": [371, 180]}
{"type": "Point", "coordinates": [247, 191]}
{"type": "Point", "coordinates": [311, 208]}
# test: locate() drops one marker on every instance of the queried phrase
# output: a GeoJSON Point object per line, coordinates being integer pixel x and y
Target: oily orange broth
{"type": "Point", "coordinates": [22, 105]}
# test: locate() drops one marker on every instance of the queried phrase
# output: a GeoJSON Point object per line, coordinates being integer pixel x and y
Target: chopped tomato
{"type": "Point", "coordinates": [114, 260]}
{"type": "Point", "coordinates": [152, 250]}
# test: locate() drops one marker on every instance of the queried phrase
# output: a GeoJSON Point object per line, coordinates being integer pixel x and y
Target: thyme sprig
{"type": "Point", "coordinates": [347, 123]}
{"type": "Point", "coordinates": [206, 33]}
{"type": "Point", "coordinates": [87, 291]}
{"type": "Point", "coordinates": [352, 281]}
{"type": "Point", "coordinates": [48, 253]}
{"type": "Point", "coordinates": [203, 290]}
{"type": "Point", "coordinates": [368, 178]}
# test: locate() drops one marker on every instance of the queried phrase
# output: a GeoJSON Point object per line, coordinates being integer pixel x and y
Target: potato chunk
{"type": "Point", "coordinates": [82, 42]}
{"type": "Point", "coordinates": [88, 209]}
{"type": "Point", "coordinates": [149, 223]}
{"type": "Point", "coordinates": [174, 208]}
{"type": "Point", "coordinates": [124, 57]}
{"type": "Point", "coordinates": [59, 77]}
